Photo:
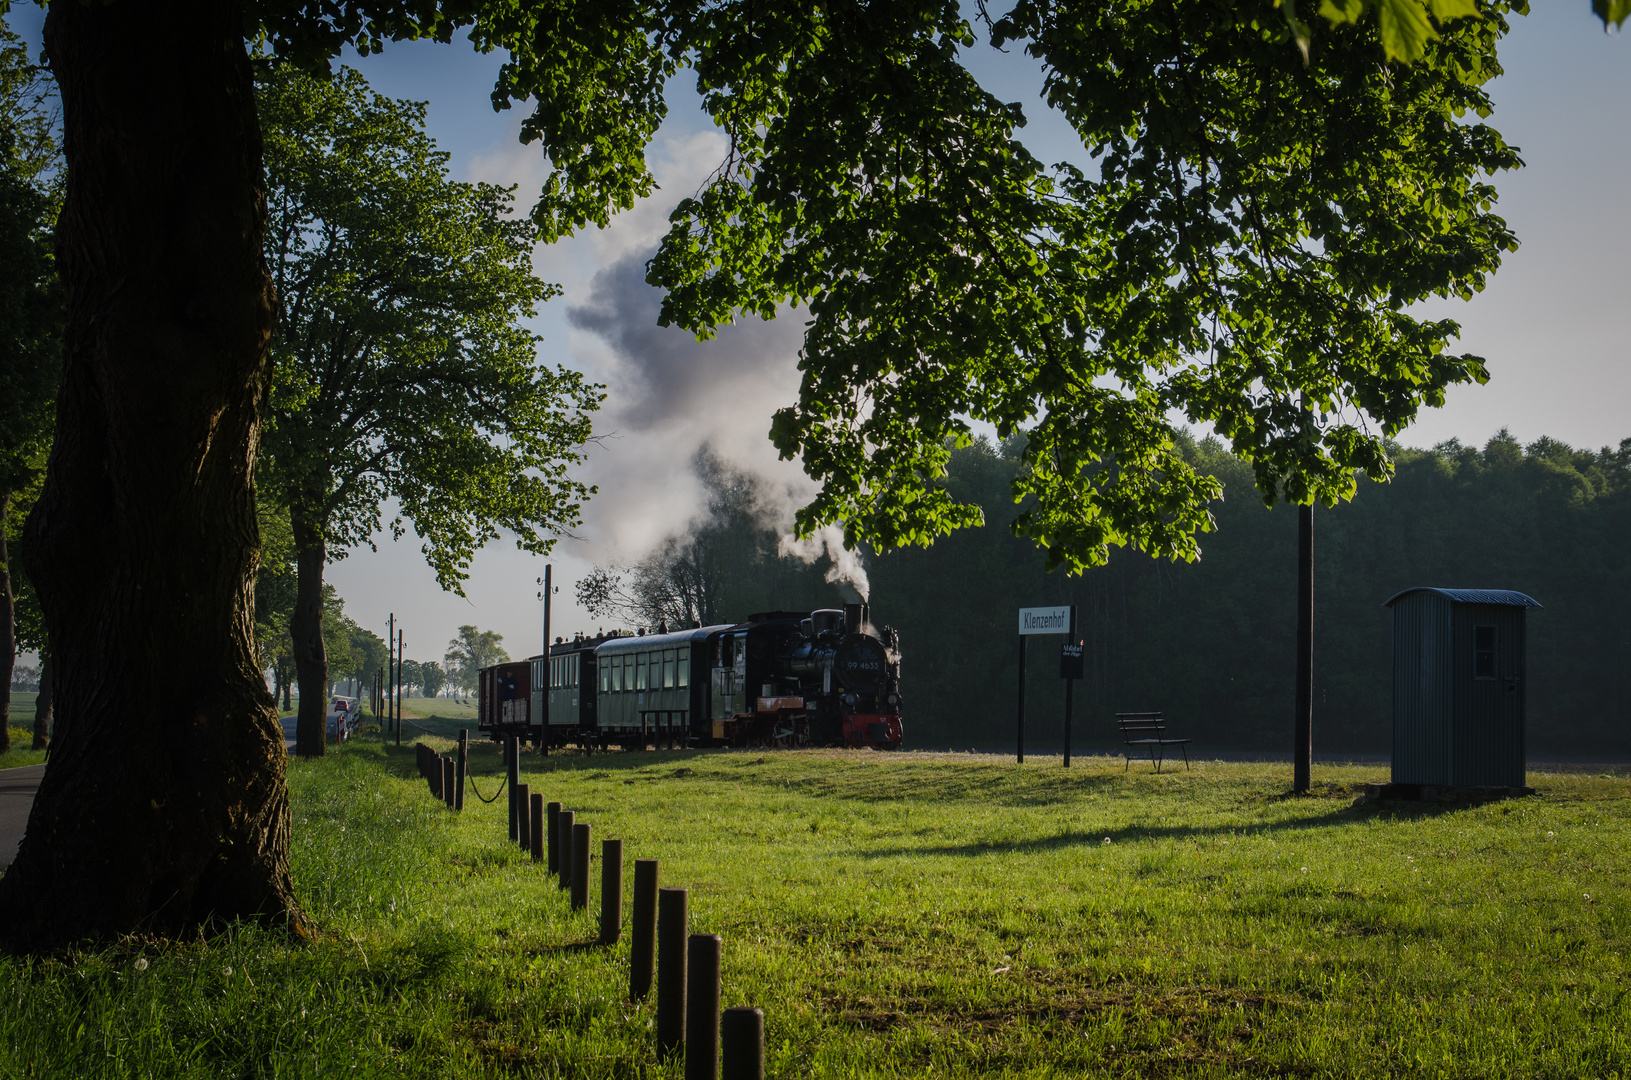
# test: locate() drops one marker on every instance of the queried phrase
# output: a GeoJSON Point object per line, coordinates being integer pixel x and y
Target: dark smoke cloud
{"type": "Point", "coordinates": [668, 397]}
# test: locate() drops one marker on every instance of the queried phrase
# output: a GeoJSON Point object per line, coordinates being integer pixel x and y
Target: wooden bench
{"type": "Point", "coordinates": [1148, 729]}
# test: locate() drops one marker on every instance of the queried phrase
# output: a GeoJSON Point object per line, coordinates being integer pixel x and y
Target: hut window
{"type": "Point", "coordinates": [1483, 652]}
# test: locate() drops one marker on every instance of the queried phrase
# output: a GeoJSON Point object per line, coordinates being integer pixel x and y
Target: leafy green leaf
{"type": "Point", "coordinates": [1453, 9]}
{"type": "Point", "coordinates": [1612, 12]}
{"type": "Point", "coordinates": [1405, 29]}
{"type": "Point", "coordinates": [1342, 11]}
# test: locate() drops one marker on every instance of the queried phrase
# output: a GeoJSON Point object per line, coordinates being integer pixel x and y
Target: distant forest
{"type": "Point", "coordinates": [1209, 643]}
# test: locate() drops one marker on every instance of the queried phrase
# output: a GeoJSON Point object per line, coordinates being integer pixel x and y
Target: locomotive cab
{"type": "Point", "coordinates": [806, 678]}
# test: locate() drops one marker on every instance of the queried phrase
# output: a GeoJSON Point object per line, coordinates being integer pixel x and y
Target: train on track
{"type": "Point", "coordinates": [782, 678]}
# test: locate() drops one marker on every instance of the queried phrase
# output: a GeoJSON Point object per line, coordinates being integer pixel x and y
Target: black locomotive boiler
{"type": "Point", "coordinates": [782, 678]}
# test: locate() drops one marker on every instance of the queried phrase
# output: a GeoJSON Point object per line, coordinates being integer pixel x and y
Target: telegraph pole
{"type": "Point", "coordinates": [1302, 753]}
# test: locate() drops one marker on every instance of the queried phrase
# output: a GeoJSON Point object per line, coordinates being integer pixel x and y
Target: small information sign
{"type": "Point", "coordinates": [1044, 620]}
{"type": "Point", "coordinates": [1070, 660]}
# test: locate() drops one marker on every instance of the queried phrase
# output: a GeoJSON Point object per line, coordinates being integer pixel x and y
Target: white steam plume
{"type": "Point", "coordinates": [669, 396]}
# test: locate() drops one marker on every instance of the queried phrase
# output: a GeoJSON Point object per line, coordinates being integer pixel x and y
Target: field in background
{"type": "Point", "coordinates": [440, 708]}
{"type": "Point", "coordinates": [895, 914]}
{"type": "Point", "coordinates": [21, 725]}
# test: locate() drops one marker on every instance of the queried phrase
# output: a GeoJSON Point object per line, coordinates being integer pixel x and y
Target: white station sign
{"type": "Point", "coordinates": [1044, 620]}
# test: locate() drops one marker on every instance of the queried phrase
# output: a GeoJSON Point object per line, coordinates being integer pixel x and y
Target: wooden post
{"type": "Point", "coordinates": [463, 769]}
{"type": "Point", "coordinates": [553, 850]}
{"type": "Point", "coordinates": [535, 816]}
{"type": "Point", "coordinates": [522, 834]}
{"type": "Point", "coordinates": [611, 891]}
{"type": "Point", "coordinates": [702, 1007]}
{"type": "Point", "coordinates": [742, 1044]}
{"type": "Point", "coordinates": [564, 823]}
{"type": "Point", "coordinates": [671, 929]}
{"type": "Point", "coordinates": [643, 929]}
{"type": "Point", "coordinates": [580, 866]}
{"type": "Point", "coordinates": [450, 790]}
{"type": "Point", "coordinates": [512, 767]}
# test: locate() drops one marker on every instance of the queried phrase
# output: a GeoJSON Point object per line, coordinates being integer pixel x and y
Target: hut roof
{"type": "Point", "coordinates": [1473, 596]}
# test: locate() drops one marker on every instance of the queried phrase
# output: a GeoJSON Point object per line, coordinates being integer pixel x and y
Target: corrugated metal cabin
{"type": "Point", "coordinates": [1458, 687]}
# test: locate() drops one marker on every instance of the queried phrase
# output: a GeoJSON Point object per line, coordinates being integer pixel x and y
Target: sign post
{"type": "Point", "coordinates": [1070, 669]}
{"type": "Point", "coordinates": [1038, 620]}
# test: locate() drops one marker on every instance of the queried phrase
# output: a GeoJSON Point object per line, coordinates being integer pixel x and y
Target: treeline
{"type": "Point", "coordinates": [1210, 642]}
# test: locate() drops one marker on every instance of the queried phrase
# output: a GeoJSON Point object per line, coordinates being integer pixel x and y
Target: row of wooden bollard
{"type": "Point", "coordinates": [445, 775]}
{"type": "Point", "coordinates": [684, 966]}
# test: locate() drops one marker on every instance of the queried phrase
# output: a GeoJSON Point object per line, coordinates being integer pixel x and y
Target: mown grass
{"type": "Point", "coordinates": [898, 915]}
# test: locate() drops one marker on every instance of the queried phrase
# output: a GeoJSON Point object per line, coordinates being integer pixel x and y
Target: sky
{"type": "Point", "coordinates": [1551, 324]}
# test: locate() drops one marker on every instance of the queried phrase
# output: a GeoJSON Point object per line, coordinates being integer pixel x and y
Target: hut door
{"type": "Point", "coordinates": [1489, 708]}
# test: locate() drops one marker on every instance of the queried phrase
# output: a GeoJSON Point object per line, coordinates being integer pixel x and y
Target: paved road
{"type": "Point", "coordinates": [17, 787]}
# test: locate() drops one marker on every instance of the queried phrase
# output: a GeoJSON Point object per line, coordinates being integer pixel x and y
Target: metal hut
{"type": "Point", "coordinates": [1458, 687]}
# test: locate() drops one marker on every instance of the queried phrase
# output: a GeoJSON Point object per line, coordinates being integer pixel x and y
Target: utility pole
{"type": "Point", "coordinates": [1302, 753]}
{"type": "Point", "coordinates": [399, 687]}
{"type": "Point", "coordinates": [543, 717]}
{"type": "Point", "coordinates": [390, 674]}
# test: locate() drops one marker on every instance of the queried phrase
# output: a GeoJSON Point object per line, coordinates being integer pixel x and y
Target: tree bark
{"type": "Point", "coordinates": [8, 628]}
{"type": "Point", "coordinates": [164, 807]}
{"type": "Point", "coordinates": [306, 631]}
{"type": "Point", "coordinates": [42, 706]}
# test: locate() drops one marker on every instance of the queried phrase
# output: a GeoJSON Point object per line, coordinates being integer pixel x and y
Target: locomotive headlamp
{"type": "Point", "coordinates": [894, 699]}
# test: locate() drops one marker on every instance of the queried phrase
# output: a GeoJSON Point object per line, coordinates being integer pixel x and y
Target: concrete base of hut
{"type": "Point", "coordinates": [1435, 793]}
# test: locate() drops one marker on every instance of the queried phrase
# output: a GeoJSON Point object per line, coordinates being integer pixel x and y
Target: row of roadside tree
{"type": "Point", "coordinates": [401, 374]}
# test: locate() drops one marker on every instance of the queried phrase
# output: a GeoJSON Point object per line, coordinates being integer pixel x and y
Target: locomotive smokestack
{"type": "Point", "coordinates": [854, 615]}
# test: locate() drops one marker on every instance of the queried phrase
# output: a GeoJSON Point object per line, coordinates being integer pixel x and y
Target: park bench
{"type": "Point", "coordinates": [1148, 729]}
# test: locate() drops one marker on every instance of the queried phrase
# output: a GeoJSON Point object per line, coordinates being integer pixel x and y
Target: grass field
{"type": "Point", "coordinates": [898, 915]}
{"type": "Point", "coordinates": [21, 728]}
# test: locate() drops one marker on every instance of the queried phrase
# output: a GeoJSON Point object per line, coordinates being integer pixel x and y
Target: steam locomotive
{"type": "Point", "coordinates": [782, 678]}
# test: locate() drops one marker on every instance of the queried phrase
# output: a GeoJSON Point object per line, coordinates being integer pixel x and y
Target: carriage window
{"type": "Point", "coordinates": [1483, 652]}
{"type": "Point", "coordinates": [605, 676]}
{"type": "Point", "coordinates": [617, 674]}
{"type": "Point", "coordinates": [668, 668]}
{"type": "Point", "coordinates": [683, 676]}
{"type": "Point", "coordinates": [574, 666]}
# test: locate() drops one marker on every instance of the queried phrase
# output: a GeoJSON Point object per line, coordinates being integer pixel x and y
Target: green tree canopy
{"type": "Point", "coordinates": [402, 371]}
{"type": "Point", "coordinates": [469, 652]}
{"type": "Point", "coordinates": [431, 677]}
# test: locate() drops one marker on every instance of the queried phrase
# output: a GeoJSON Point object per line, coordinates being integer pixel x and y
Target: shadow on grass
{"type": "Point", "coordinates": [1134, 833]}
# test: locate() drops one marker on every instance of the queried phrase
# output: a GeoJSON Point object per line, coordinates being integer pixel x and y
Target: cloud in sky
{"type": "Point", "coordinates": [668, 396]}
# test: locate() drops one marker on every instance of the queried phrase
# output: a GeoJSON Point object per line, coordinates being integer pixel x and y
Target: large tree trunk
{"type": "Point", "coordinates": [306, 631]}
{"type": "Point", "coordinates": [42, 705]}
{"type": "Point", "coordinates": [8, 628]}
{"type": "Point", "coordinates": [164, 806]}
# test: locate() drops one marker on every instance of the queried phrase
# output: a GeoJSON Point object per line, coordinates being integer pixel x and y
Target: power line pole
{"type": "Point", "coordinates": [1302, 753]}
